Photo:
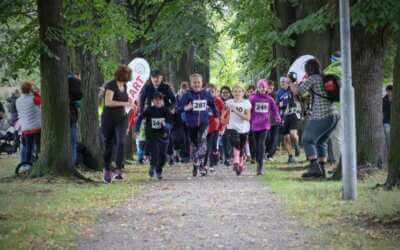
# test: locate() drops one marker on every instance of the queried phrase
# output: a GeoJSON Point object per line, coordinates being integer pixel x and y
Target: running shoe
{"type": "Point", "coordinates": [159, 176]}
{"type": "Point", "coordinates": [195, 170]}
{"type": "Point", "coordinates": [107, 176]}
{"type": "Point", "coordinates": [118, 174]}
{"type": "Point", "coordinates": [259, 171]}
{"type": "Point", "coordinates": [151, 172]}
{"type": "Point", "coordinates": [297, 151]}
{"type": "Point", "coordinates": [203, 170]}
{"type": "Point", "coordinates": [291, 159]}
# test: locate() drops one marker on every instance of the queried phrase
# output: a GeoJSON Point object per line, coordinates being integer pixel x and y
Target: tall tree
{"type": "Point", "coordinates": [393, 178]}
{"type": "Point", "coordinates": [54, 90]}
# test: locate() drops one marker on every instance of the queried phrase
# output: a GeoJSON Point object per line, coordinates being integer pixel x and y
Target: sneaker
{"type": "Point", "coordinates": [118, 174]}
{"type": "Point", "coordinates": [151, 172]}
{"type": "Point", "coordinates": [171, 161]}
{"type": "Point", "coordinates": [159, 176]}
{"type": "Point", "coordinates": [270, 159]}
{"type": "Point", "coordinates": [227, 163]}
{"type": "Point", "coordinates": [291, 159]}
{"type": "Point", "coordinates": [297, 151]}
{"type": "Point", "coordinates": [203, 170]}
{"type": "Point", "coordinates": [253, 161]}
{"type": "Point", "coordinates": [212, 169]}
{"type": "Point", "coordinates": [107, 176]}
{"type": "Point", "coordinates": [195, 170]}
{"type": "Point", "coordinates": [314, 171]}
{"type": "Point", "coordinates": [259, 171]}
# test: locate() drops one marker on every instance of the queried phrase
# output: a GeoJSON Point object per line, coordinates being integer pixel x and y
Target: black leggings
{"type": "Point", "coordinates": [237, 140]}
{"type": "Point", "coordinates": [158, 154]}
{"type": "Point", "coordinates": [212, 149]}
{"type": "Point", "coordinates": [259, 138]}
{"type": "Point", "coordinates": [114, 133]}
{"type": "Point", "coordinates": [272, 141]}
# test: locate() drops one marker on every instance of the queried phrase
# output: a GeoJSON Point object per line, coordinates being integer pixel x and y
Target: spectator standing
{"type": "Point", "coordinates": [387, 100]}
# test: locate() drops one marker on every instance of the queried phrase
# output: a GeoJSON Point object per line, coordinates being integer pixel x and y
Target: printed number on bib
{"type": "Point", "coordinates": [156, 123]}
{"type": "Point", "coordinates": [199, 105]}
{"type": "Point", "coordinates": [261, 107]}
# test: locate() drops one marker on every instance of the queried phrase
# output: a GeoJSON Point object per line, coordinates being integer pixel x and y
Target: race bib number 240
{"type": "Point", "coordinates": [261, 107]}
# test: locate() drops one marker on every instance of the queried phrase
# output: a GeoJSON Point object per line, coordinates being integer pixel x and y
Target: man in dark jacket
{"type": "Point", "coordinates": [12, 109]}
{"type": "Point", "coordinates": [75, 95]}
{"type": "Point", "coordinates": [156, 84]}
{"type": "Point", "coordinates": [387, 100]}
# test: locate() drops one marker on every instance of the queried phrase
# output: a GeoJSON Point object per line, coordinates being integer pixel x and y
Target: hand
{"type": "Point", "coordinates": [189, 107]}
{"type": "Point", "coordinates": [216, 122]}
{"type": "Point", "coordinates": [173, 111]}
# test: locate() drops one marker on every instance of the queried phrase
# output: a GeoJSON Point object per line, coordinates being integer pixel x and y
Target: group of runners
{"type": "Point", "coordinates": [202, 125]}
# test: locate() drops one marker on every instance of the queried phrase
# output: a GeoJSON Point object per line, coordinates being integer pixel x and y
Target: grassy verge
{"type": "Point", "coordinates": [49, 214]}
{"type": "Point", "coordinates": [371, 222]}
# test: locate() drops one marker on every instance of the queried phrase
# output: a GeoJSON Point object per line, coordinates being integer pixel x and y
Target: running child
{"type": "Point", "coordinates": [157, 127]}
{"type": "Point", "coordinates": [263, 105]}
{"type": "Point", "coordinates": [194, 104]}
{"type": "Point", "coordinates": [238, 126]}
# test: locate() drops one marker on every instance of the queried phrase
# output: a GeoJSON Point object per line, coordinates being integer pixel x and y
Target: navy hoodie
{"type": "Point", "coordinates": [201, 102]}
{"type": "Point", "coordinates": [146, 95]}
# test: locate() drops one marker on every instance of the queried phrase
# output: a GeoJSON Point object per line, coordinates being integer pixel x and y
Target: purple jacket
{"type": "Point", "coordinates": [261, 108]}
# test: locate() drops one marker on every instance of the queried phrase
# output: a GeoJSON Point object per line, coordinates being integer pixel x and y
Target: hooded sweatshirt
{"type": "Point", "coordinates": [262, 106]}
{"type": "Point", "coordinates": [201, 101]}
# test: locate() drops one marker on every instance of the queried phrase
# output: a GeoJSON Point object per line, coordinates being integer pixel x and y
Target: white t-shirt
{"type": "Point", "coordinates": [235, 122]}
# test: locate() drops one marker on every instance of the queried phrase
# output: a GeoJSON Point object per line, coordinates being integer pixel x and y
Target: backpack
{"type": "Point", "coordinates": [331, 88]}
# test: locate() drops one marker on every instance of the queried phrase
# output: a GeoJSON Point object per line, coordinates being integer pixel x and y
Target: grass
{"type": "Point", "coordinates": [49, 214]}
{"type": "Point", "coordinates": [370, 222]}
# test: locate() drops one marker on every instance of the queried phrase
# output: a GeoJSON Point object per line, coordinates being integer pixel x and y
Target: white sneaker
{"type": "Point", "coordinates": [270, 159]}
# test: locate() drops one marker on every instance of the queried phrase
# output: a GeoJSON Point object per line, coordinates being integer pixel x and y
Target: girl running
{"type": "Point", "coordinates": [194, 104]}
{"type": "Point", "coordinates": [262, 106]}
{"type": "Point", "coordinates": [238, 126]}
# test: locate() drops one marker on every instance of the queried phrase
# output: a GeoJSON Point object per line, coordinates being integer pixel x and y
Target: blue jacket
{"type": "Point", "coordinates": [201, 102]}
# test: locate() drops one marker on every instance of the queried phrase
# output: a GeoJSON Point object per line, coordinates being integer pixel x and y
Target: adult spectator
{"type": "Point", "coordinates": [156, 84]}
{"type": "Point", "coordinates": [114, 120]}
{"type": "Point", "coordinates": [11, 106]}
{"type": "Point", "coordinates": [75, 95]}
{"type": "Point", "coordinates": [387, 100]}
{"type": "Point", "coordinates": [29, 113]}
{"type": "Point", "coordinates": [321, 123]}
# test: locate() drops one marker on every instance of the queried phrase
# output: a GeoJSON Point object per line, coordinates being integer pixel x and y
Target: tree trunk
{"type": "Point", "coordinates": [89, 131]}
{"type": "Point", "coordinates": [393, 178]}
{"type": "Point", "coordinates": [55, 157]}
{"type": "Point", "coordinates": [367, 60]}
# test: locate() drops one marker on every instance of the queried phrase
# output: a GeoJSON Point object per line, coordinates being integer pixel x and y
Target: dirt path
{"type": "Point", "coordinates": [221, 211]}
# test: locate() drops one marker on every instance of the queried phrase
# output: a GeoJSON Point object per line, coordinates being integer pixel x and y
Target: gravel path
{"type": "Point", "coordinates": [220, 211]}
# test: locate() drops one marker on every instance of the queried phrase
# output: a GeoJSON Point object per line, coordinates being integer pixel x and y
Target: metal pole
{"type": "Point", "coordinates": [348, 148]}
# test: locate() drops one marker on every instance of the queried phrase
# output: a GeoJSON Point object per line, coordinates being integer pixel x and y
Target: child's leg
{"type": "Point", "coordinates": [243, 143]}
{"type": "Point", "coordinates": [163, 147]}
{"type": "Point", "coordinates": [154, 151]}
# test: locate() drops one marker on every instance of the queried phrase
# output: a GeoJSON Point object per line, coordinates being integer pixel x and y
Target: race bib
{"type": "Point", "coordinates": [156, 123]}
{"type": "Point", "coordinates": [200, 105]}
{"type": "Point", "coordinates": [261, 107]}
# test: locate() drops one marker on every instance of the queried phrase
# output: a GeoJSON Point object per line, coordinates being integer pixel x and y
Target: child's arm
{"type": "Point", "coordinates": [274, 111]}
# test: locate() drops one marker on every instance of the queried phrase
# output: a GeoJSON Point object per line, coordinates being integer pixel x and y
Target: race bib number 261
{"type": "Point", "coordinates": [199, 105]}
{"type": "Point", "coordinates": [261, 107]}
{"type": "Point", "coordinates": [156, 123]}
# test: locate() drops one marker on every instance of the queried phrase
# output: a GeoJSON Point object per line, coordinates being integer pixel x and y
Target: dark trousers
{"type": "Point", "coordinates": [252, 145]}
{"type": "Point", "coordinates": [32, 146]}
{"type": "Point", "coordinates": [271, 143]}
{"type": "Point", "coordinates": [114, 133]}
{"type": "Point", "coordinates": [259, 138]}
{"type": "Point", "coordinates": [198, 142]}
{"type": "Point", "coordinates": [158, 154]}
{"type": "Point", "coordinates": [212, 149]}
{"type": "Point", "coordinates": [226, 147]}
{"type": "Point", "coordinates": [238, 141]}
{"type": "Point", "coordinates": [185, 147]}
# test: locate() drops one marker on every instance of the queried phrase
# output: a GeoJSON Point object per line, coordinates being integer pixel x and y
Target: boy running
{"type": "Point", "coordinates": [158, 125]}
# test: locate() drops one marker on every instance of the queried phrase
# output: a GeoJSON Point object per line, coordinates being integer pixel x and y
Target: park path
{"type": "Point", "coordinates": [220, 211]}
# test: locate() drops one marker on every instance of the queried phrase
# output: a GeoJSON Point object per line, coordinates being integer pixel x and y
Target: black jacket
{"type": "Point", "coordinates": [386, 109]}
{"type": "Point", "coordinates": [147, 93]}
{"type": "Point", "coordinates": [75, 95]}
